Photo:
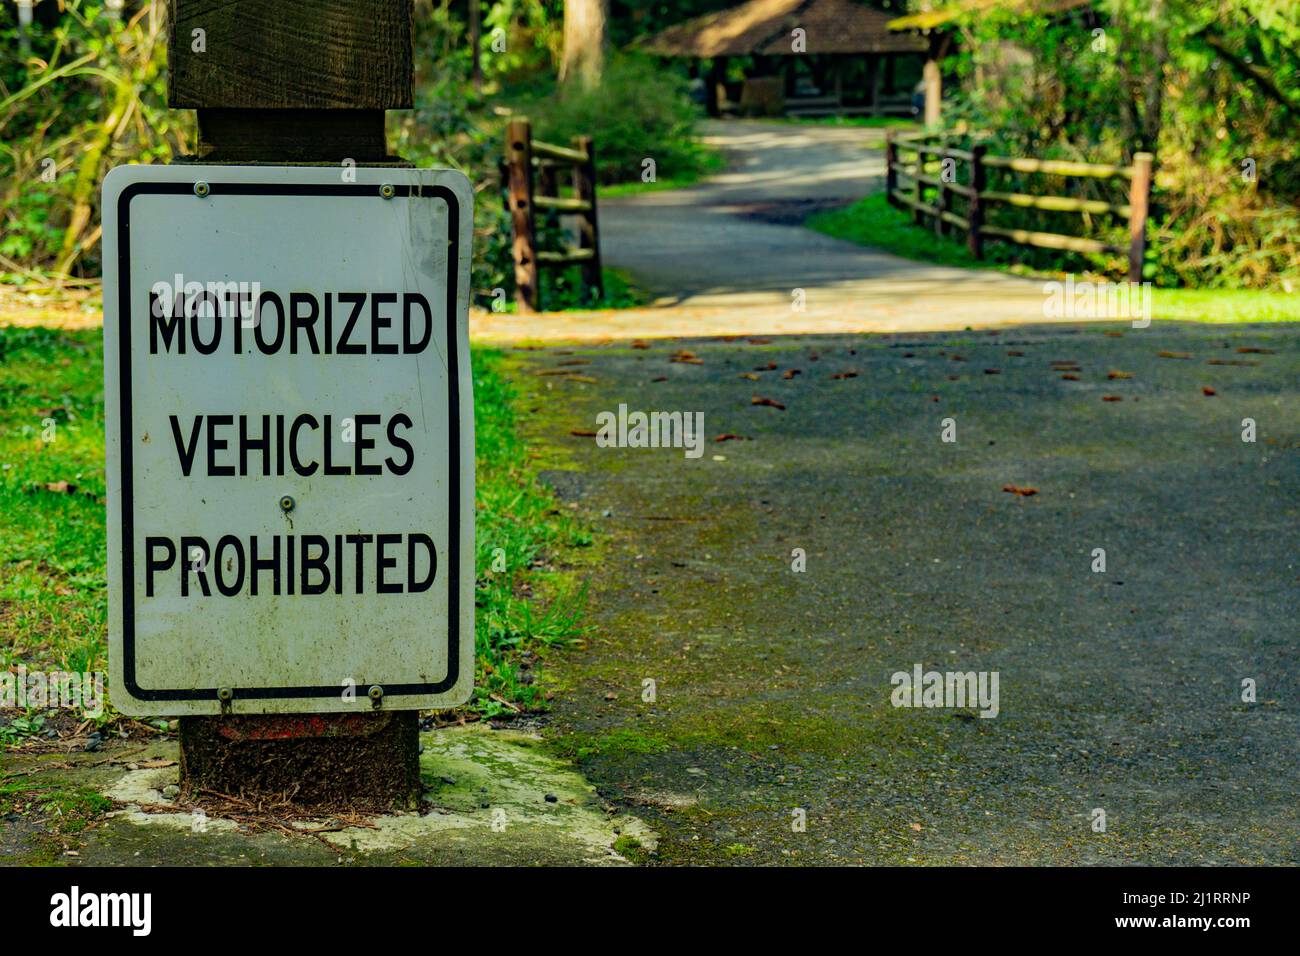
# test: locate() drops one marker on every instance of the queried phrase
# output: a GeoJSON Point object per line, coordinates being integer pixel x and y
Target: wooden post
{"type": "Point", "coordinates": [891, 167]}
{"type": "Point", "coordinates": [584, 188]}
{"type": "Point", "coordinates": [918, 189]}
{"type": "Point", "coordinates": [716, 92]}
{"type": "Point", "coordinates": [933, 82]}
{"type": "Point", "coordinates": [944, 200]}
{"type": "Point", "coordinates": [1139, 201]}
{"type": "Point", "coordinates": [281, 83]}
{"type": "Point", "coordinates": [975, 213]}
{"type": "Point", "coordinates": [519, 163]}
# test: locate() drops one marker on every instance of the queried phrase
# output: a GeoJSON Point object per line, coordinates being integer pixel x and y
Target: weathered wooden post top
{"type": "Point", "coordinates": [291, 82]}
{"type": "Point", "coordinates": [289, 411]}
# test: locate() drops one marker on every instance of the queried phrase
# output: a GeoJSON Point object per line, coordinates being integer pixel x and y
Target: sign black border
{"type": "Point", "coordinates": [125, 442]}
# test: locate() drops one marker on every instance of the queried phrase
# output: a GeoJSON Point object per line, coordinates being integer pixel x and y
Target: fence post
{"type": "Point", "coordinates": [519, 162]}
{"type": "Point", "coordinates": [944, 200]}
{"type": "Point", "coordinates": [918, 188]}
{"type": "Point", "coordinates": [891, 167]}
{"type": "Point", "coordinates": [584, 187]}
{"type": "Point", "coordinates": [974, 242]}
{"type": "Point", "coordinates": [1139, 200]}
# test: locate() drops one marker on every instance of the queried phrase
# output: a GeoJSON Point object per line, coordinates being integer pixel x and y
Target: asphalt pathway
{"type": "Point", "coordinates": [1120, 691]}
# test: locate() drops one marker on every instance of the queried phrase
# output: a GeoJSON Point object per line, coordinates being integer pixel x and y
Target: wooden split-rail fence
{"type": "Point", "coordinates": [907, 177]}
{"type": "Point", "coordinates": [532, 185]}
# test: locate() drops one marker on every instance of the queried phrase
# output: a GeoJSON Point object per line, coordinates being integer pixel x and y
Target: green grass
{"type": "Point", "coordinates": [1226, 305]}
{"type": "Point", "coordinates": [53, 599]}
{"type": "Point", "coordinates": [521, 529]}
{"type": "Point", "coordinates": [54, 811]}
{"type": "Point", "coordinates": [564, 291]}
{"type": "Point", "coordinates": [53, 603]}
{"type": "Point", "coordinates": [874, 222]}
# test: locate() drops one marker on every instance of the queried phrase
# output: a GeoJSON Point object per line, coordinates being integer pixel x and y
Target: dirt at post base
{"type": "Point", "coordinates": [371, 762]}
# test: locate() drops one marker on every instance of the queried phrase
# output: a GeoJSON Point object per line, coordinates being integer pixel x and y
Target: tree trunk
{"type": "Point", "coordinates": [584, 41]}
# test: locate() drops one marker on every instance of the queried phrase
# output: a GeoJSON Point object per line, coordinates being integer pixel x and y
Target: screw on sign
{"type": "Point", "coordinates": [288, 400]}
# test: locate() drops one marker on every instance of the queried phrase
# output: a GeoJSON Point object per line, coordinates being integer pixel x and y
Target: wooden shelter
{"type": "Point", "coordinates": [808, 57]}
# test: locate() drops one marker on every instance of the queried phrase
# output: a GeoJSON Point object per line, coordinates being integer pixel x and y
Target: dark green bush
{"type": "Point", "coordinates": [639, 111]}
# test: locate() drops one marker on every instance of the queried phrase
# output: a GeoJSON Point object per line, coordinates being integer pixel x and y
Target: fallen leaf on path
{"type": "Point", "coordinates": [1114, 375]}
{"type": "Point", "coordinates": [156, 764]}
{"type": "Point", "coordinates": [1023, 492]}
{"type": "Point", "coordinates": [685, 357]}
{"type": "Point", "coordinates": [760, 341]}
{"type": "Point", "coordinates": [640, 344]}
{"type": "Point", "coordinates": [1206, 390]}
{"type": "Point", "coordinates": [1070, 378]}
{"type": "Point", "coordinates": [1231, 362]}
{"type": "Point", "coordinates": [916, 827]}
{"type": "Point", "coordinates": [1115, 335]}
{"type": "Point", "coordinates": [1175, 355]}
{"type": "Point", "coordinates": [792, 372]}
{"type": "Point", "coordinates": [575, 362]}
{"type": "Point", "coordinates": [1112, 398]}
{"type": "Point", "coordinates": [993, 371]}
{"type": "Point", "coordinates": [1254, 350]}
{"type": "Point", "coordinates": [957, 358]}
{"type": "Point", "coordinates": [749, 375]}
{"type": "Point", "coordinates": [1016, 354]}
{"type": "Point", "coordinates": [769, 402]}
{"type": "Point", "coordinates": [730, 436]}
{"type": "Point", "coordinates": [769, 367]}
{"type": "Point", "coordinates": [581, 433]}
{"type": "Point", "coordinates": [587, 379]}
{"type": "Point", "coordinates": [660, 378]}
{"type": "Point", "coordinates": [851, 373]}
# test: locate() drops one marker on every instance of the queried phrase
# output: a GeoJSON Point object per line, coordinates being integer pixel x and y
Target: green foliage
{"type": "Point", "coordinates": [1212, 87]}
{"type": "Point", "coordinates": [52, 585]}
{"type": "Point", "coordinates": [639, 111]}
{"type": "Point", "coordinates": [565, 290]}
{"type": "Point", "coordinates": [88, 97]}
{"type": "Point", "coordinates": [29, 725]}
{"type": "Point", "coordinates": [874, 222]}
{"type": "Point", "coordinates": [518, 530]}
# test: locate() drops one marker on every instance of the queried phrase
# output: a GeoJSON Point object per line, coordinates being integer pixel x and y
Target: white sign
{"type": "Point", "coordinates": [290, 439]}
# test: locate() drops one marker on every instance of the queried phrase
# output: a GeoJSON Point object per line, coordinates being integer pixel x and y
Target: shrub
{"type": "Point", "coordinates": [639, 111]}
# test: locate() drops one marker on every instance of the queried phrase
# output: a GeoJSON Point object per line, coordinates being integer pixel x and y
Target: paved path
{"type": "Point", "coordinates": [1119, 691]}
{"type": "Point", "coordinates": [727, 254]}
